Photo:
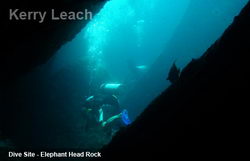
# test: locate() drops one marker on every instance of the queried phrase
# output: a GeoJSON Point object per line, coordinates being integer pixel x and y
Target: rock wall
{"type": "Point", "coordinates": [203, 115]}
{"type": "Point", "coordinates": [32, 103]}
{"type": "Point", "coordinates": [27, 44]}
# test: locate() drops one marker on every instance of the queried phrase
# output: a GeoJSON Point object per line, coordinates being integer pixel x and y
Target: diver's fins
{"type": "Point", "coordinates": [125, 118]}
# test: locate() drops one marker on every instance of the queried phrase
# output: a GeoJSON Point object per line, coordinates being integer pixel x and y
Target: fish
{"type": "Point", "coordinates": [174, 73]}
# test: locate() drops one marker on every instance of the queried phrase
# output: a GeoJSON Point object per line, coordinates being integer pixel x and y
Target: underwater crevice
{"type": "Point", "coordinates": [26, 46]}
{"type": "Point", "coordinates": [203, 114]}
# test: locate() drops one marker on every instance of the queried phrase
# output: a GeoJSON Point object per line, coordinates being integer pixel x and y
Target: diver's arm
{"type": "Point", "coordinates": [111, 119]}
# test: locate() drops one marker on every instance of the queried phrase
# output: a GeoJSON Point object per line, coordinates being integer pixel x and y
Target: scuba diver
{"type": "Point", "coordinates": [103, 109]}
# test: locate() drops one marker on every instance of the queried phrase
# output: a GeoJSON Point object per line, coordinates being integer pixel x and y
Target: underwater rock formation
{"type": "Point", "coordinates": [198, 30]}
{"type": "Point", "coordinates": [27, 44]}
{"type": "Point", "coordinates": [203, 114]}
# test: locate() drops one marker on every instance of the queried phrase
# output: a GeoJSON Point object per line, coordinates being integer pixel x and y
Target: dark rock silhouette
{"type": "Point", "coordinates": [23, 98]}
{"type": "Point", "coordinates": [203, 115]}
{"type": "Point", "coordinates": [29, 44]}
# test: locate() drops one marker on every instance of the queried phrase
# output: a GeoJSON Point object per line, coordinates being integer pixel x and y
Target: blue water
{"type": "Point", "coordinates": [142, 33]}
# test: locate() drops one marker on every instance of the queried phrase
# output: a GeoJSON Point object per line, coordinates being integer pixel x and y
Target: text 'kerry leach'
{"type": "Point", "coordinates": [41, 16]}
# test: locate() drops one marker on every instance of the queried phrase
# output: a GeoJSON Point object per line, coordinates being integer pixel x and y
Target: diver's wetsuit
{"type": "Point", "coordinates": [104, 110]}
